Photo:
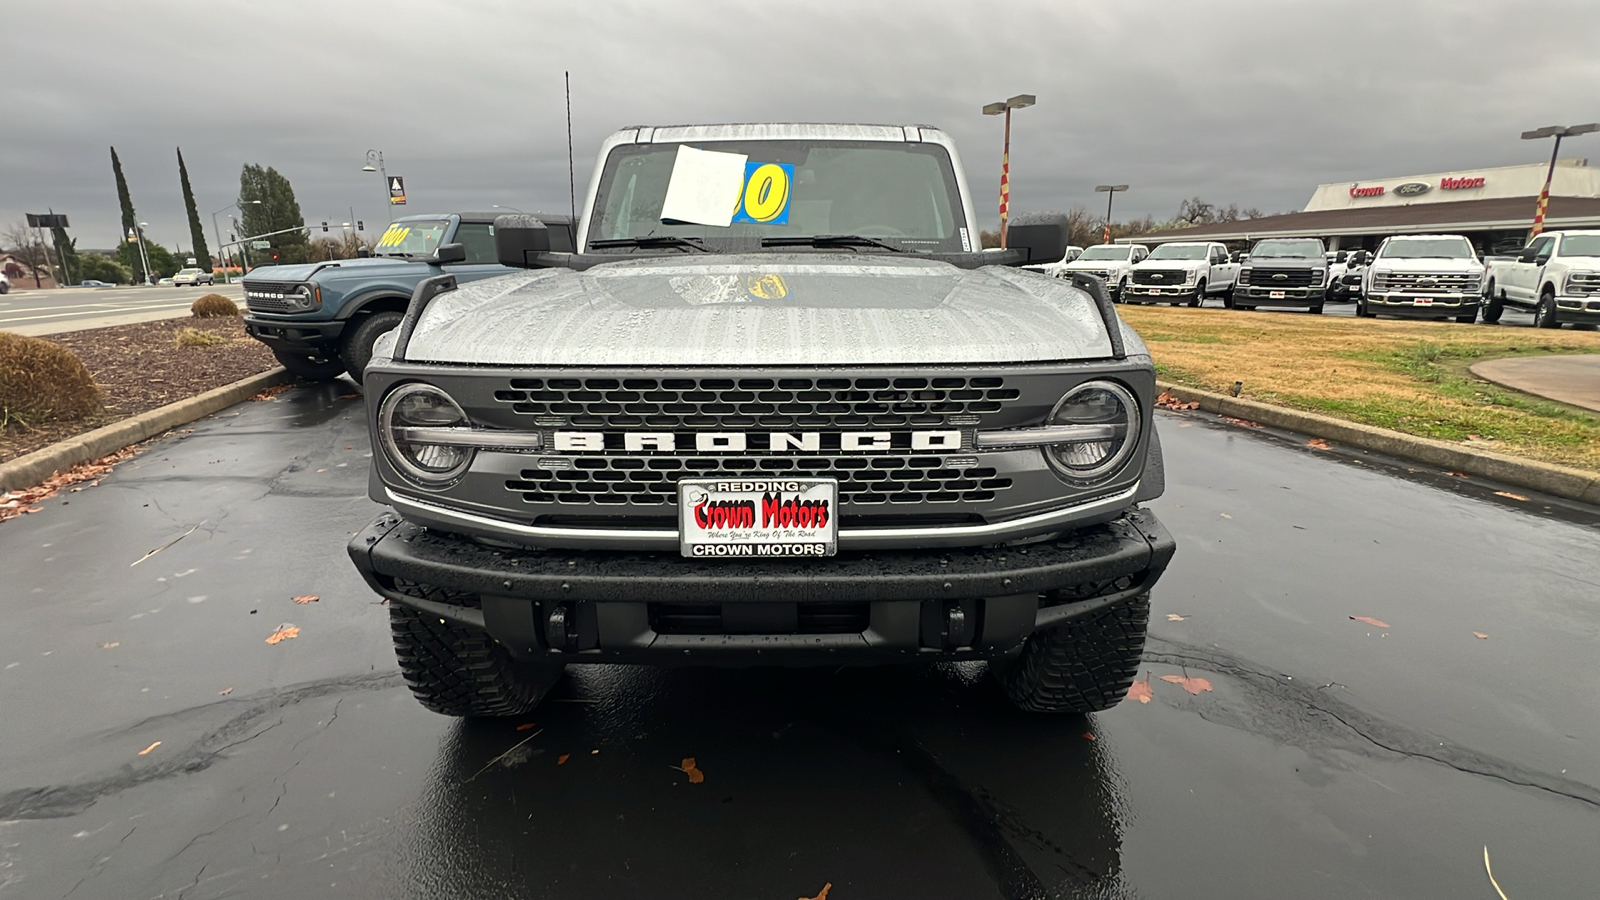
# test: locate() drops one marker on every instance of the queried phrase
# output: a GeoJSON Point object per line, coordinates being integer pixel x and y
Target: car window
{"type": "Point", "coordinates": [478, 238]}
{"type": "Point", "coordinates": [1541, 247]}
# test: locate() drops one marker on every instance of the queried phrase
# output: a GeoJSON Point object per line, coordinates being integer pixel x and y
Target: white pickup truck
{"type": "Point", "coordinates": [1430, 276]}
{"type": "Point", "coordinates": [1557, 276]}
{"type": "Point", "coordinates": [1186, 272]}
{"type": "Point", "coordinates": [1111, 263]}
{"type": "Point", "coordinates": [1053, 269]}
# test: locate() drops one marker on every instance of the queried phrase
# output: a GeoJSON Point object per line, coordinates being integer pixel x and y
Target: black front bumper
{"type": "Point", "coordinates": [292, 336]}
{"type": "Point", "coordinates": [865, 607]}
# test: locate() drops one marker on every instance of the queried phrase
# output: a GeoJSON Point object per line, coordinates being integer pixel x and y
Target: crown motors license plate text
{"type": "Point", "coordinates": [758, 518]}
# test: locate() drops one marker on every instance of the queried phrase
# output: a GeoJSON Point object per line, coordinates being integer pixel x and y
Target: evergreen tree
{"type": "Point", "coordinates": [129, 221]}
{"type": "Point", "coordinates": [66, 253]}
{"type": "Point", "coordinates": [197, 233]}
{"type": "Point", "coordinates": [277, 211]}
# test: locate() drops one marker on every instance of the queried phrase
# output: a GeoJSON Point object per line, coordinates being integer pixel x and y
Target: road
{"type": "Point", "coordinates": [74, 308]}
{"type": "Point", "coordinates": [1332, 759]}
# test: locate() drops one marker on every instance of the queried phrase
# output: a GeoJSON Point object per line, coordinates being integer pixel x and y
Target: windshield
{"type": "Point", "coordinates": [417, 237]}
{"type": "Point", "coordinates": [1106, 253]}
{"type": "Point", "coordinates": [1428, 248]}
{"type": "Point", "coordinates": [1179, 251]}
{"type": "Point", "coordinates": [1581, 245]}
{"type": "Point", "coordinates": [902, 194]}
{"type": "Point", "coordinates": [1287, 250]}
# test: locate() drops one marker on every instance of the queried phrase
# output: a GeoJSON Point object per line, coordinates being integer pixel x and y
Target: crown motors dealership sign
{"type": "Point", "coordinates": [1415, 188]}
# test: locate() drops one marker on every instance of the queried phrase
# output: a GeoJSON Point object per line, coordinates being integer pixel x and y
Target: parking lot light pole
{"type": "Point", "coordinates": [994, 109]}
{"type": "Point", "coordinates": [1110, 190]}
{"type": "Point", "coordinates": [1558, 132]}
{"type": "Point", "coordinates": [377, 155]}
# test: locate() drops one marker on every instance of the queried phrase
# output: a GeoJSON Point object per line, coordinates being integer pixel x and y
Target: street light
{"type": "Point", "coordinates": [378, 156]}
{"type": "Point", "coordinates": [144, 257]}
{"type": "Point", "coordinates": [994, 109]}
{"type": "Point", "coordinates": [218, 232]}
{"type": "Point", "coordinates": [1558, 132]}
{"type": "Point", "coordinates": [1110, 190]}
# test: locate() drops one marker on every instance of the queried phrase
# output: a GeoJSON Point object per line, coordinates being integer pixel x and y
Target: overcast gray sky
{"type": "Point", "coordinates": [1239, 102]}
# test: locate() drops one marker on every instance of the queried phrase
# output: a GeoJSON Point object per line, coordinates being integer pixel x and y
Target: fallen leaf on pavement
{"type": "Point", "coordinates": [688, 768]}
{"type": "Point", "coordinates": [1480, 635]}
{"type": "Point", "coordinates": [1140, 690]}
{"type": "Point", "coordinates": [1167, 401]}
{"type": "Point", "coordinates": [525, 726]}
{"type": "Point", "coordinates": [110, 644]}
{"type": "Point", "coordinates": [271, 392]}
{"type": "Point", "coordinates": [823, 894]}
{"type": "Point", "coordinates": [283, 634]}
{"type": "Point", "coordinates": [1509, 494]}
{"type": "Point", "coordinates": [562, 759]}
{"type": "Point", "coordinates": [1457, 474]}
{"type": "Point", "coordinates": [1370, 621]}
{"type": "Point", "coordinates": [224, 692]}
{"type": "Point", "coordinates": [17, 503]}
{"type": "Point", "coordinates": [149, 748]}
{"type": "Point", "coordinates": [309, 598]}
{"type": "Point", "coordinates": [1088, 736]}
{"type": "Point", "coordinates": [1174, 617]}
{"type": "Point", "coordinates": [1317, 444]}
{"type": "Point", "coordinates": [1246, 423]}
{"type": "Point", "coordinates": [1192, 685]}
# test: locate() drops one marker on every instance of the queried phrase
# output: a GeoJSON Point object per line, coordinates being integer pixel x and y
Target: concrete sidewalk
{"type": "Point", "coordinates": [1566, 379]}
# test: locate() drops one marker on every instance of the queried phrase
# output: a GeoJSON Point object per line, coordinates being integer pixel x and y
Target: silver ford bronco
{"type": "Point", "coordinates": [777, 408]}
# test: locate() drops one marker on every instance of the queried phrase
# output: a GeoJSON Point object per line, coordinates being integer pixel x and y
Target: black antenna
{"type": "Point", "coordinates": [572, 190]}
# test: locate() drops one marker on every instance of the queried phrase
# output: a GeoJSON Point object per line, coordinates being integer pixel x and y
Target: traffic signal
{"type": "Point", "coordinates": [274, 256]}
{"type": "Point", "coordinates": [324, 227]}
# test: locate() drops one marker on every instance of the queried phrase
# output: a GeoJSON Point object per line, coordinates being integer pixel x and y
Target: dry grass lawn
{"type": "Point", "coordinates": [1407, 376]}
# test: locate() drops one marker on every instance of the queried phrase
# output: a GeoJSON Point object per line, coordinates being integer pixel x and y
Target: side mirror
{"type": "Point", "coordinates": [449, 253]}
{"type": "Point", "coordinates": [1527, 256]}
{"type": "Point", "coordinates": [517, 239]}
{"type": "Point", "coordinates": [363, 253]}
{"type": "Point", "coordinates": [1341, 256]}
{"type": "Point", "coordinates": [1039, 237]}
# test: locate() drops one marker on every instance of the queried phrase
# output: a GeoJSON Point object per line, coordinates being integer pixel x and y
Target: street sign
{"type": "Point", "coordinates": [265, 245]}
{"type": "Point", "coordinates": [47, 220]}
{"type": "Point", "coordinates": [397, 191]}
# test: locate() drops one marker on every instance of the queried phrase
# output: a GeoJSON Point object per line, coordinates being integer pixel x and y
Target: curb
{"type": "Point", "coordinates": [1560, 481]}
{"type": "Point", "coordinates": [33, 468]}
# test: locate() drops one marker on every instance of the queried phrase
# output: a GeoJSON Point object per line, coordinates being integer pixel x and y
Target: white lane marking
{"type": "Point", "coordinates": [71, 316]}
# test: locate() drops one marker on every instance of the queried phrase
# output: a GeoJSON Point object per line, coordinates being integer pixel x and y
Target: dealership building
{"type": "Point", "coordinates": [1492, 207]}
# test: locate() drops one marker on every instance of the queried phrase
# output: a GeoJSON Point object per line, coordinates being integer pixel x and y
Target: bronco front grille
{"type": "Point", "coordinates": [719, 403]}
{"type": "Point", "coordinates": [1159, 277]}
{"type": "Point", "coordinates": [258, 295]}
{"type": "Point", "coordinates": [863, 480]}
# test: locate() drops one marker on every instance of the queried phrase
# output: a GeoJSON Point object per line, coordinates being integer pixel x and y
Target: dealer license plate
{"type": "Point", "coordinates": [763, 518]}
{"type": "Point", "coordinates": [1275, 295]}
{"type": "Point", "coordinates": [1422, 301]}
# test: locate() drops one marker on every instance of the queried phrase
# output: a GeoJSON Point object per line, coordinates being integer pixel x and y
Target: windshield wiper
{"type": "Point", "coordinates": [829, 240]}
{"type": "Point", "coordinates": [665, 240]}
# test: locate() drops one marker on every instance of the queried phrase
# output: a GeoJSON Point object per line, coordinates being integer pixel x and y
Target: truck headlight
{"type": "Point", "coordinates": [302, 298]}
{"type": "Point", "coordinates": [412, 411]}
{"type": "Point", "coordinates": [1319, 276]}
{"type": "Point", "coordinates": [1244, 274]}
{"type": "Point", "coordinates": [1095, 403]}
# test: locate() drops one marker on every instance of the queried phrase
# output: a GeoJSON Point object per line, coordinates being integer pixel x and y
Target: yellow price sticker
{"type": "Point", "coordinates": [394, 237]}
{"type": "Point", "coordinates": [765, 197]}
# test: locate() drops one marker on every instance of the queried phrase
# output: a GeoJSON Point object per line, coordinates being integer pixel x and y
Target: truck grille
{"type": "Point", "coordinates": [1427, 282]}
{"type": "Point", "coordinates": [1163, 277]}
{"type": "Point", "coordinates": [1584, 283]}
{"type": "Point", "coordinates": [728, 403]}
{"type": "Point", "coordinates": [1269, 278]}
{"type": "Point", "coordinates": [653, 480]}
{"type": "Point", "coordinates": [258, 295]}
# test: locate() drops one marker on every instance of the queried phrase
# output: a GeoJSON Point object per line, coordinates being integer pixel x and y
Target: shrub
{"type": "Point", "coordinates": [41, 381]}
{"type": "Point", "coordinates": [214, 306]}
{"type": "Point", "coordinates": [198, 337]}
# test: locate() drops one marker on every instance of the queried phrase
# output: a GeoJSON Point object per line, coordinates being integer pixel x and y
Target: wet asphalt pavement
{"type": "Point", "coordinates": [1332, 759]}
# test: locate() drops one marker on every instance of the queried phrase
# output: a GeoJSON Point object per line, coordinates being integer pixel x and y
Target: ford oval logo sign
{"type": "Point", "coordinates": [1157, 277]}
{"type": "Point", "coordinates": [1412, 188]}
{"type": "Point", "coordinates": [1280, 277]}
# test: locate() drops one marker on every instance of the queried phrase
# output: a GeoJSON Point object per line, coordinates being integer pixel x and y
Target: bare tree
{"type": "Point", "coordinates": [1195, 211]}
{"type": "Point", "coordinates": [25, 246]}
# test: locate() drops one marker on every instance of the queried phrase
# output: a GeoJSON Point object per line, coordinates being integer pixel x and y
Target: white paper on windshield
{"type": "Point", "coordinates": [704, 188]}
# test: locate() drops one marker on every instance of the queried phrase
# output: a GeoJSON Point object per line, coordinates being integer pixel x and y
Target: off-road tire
{"type": "Point", "coordinates": [1083, 665]}
{"type": "Point", "coordinates": [311, 368]}
{"type": "Point", "coordinates": [1493, 306]}
{"type": "Point", "coordinates": [1544, 315]}
{"type": "Point", "coordinates": [456, 670]}
{"type": "Point", "coordinates": [356, 348]}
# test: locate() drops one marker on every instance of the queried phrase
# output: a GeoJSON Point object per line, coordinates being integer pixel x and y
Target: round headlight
{"type": "Point", "coordinates": [1095, 403]}
{"type": "Point", "coordinates": [418, 405]}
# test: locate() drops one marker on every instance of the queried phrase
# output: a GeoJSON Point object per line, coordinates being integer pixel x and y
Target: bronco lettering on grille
{"type": "Point", "coordinates": [738, 442]}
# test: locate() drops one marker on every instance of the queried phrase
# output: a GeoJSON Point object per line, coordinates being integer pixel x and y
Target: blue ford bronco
{"type": "Point", "coordinates": [321, 319]}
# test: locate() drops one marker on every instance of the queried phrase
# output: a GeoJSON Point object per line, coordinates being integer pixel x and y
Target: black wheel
{"type": "Point", "coordinates": [356, 348]}
{"type": "Point", "coordinates": [1362, 311]}
{"type": "Point", "coordinates": [311, 368]}
{"type": "Point", "coordinates": [1122, 290]}
{"type": "Point", "coordinates": [1199, 297]}
{"type": "Point", "coordinates": [1468, 318]}
{"type": "Point", "coordinates": [1493, 305]}
{"type": "Point", "coordinates": [1316, 309]}
{"type": "Point", "coordinates": [1544, 315]}
{"type": "Point", "coordinates": [1084, 665]}
{"type": "Point", "coordinates": [1227, 299]}
{"type": "Point", "coordinates": [459, 671]}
